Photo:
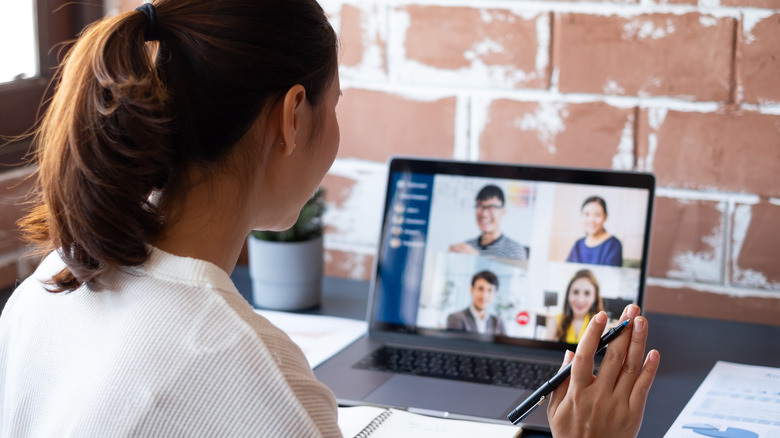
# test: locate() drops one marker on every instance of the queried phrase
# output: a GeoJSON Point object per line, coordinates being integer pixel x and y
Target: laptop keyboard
{"type": "Point", "coordinates": [454, 366]}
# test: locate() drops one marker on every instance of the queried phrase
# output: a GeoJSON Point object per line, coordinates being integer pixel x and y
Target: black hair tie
{"type": "Point", "coordinates": [152, 32]}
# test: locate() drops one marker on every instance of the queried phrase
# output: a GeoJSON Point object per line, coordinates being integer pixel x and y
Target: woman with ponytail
{"type": "Point", "coordinates": [175, 129]}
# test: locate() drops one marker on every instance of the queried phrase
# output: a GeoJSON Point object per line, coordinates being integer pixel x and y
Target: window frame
{"type": "Point", "coordinates": [21, 102]}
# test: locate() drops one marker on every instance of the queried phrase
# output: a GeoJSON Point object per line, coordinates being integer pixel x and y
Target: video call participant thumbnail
{"type": "Point", "coordinates": [582, 302]}
{"type": "Point", "coordinates": [598, 247]}
{"type": "Point", "coordinates": [490, 210]}
{"type": "Point", "coordinates": [476, 318]}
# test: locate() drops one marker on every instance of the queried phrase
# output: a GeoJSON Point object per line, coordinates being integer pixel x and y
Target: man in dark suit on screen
{"type": "Point", "coordinates": [476, 318]}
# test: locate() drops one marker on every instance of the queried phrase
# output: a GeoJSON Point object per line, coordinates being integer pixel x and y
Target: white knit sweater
{"type": "Point", "coordinates": [170, 349]}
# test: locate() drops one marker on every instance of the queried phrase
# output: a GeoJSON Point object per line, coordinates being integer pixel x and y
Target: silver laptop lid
{"type": "Point", "coordinates": [508, 254]}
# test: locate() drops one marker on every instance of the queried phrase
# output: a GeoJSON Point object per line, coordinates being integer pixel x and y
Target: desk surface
{"type": "Point", "coordinates": [689, 347]}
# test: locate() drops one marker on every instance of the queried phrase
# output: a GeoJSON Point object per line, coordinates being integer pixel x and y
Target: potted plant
{"type": "Point", "coordinates": [286, 266]}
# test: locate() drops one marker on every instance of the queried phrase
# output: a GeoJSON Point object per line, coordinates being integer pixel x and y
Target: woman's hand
{"type": "Point", "coordinates": [612, 404]}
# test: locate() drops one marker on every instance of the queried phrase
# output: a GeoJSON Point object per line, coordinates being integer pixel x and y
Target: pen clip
{"type": "Point", "coordinates": [528, 412]}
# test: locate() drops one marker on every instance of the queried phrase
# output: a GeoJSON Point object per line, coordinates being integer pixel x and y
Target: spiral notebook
{"type": "Point", "coordinates": [376, 422]}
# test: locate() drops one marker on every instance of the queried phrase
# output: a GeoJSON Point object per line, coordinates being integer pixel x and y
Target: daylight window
{"type": "Point", "coordinates": [18, 40]}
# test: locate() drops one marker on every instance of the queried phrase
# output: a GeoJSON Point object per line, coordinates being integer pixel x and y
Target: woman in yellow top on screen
{"type": "Point", "coordinates": [583, 300]}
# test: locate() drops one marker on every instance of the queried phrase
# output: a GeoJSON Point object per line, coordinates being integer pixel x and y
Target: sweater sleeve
{"type": "Point", "coordinates": [315, 398]}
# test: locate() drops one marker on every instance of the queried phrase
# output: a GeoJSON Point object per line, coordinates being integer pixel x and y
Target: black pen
{"type": "Point", "coordinates": [534, 400]}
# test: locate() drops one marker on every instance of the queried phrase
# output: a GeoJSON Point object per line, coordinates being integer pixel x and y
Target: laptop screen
{"type": "Point", "coordinates": [508, 253]}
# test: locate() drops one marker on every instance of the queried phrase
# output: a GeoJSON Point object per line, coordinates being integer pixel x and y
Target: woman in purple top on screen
{"type": "Point", "coordinates": [597, 247]}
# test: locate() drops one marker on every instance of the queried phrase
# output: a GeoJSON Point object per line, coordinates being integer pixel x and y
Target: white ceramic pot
{"type": "Point", "coordinates": [286, 275]}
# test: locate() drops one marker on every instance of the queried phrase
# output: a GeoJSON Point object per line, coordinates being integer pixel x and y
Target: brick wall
{"type": "Point", "coordinates": [686, 89]}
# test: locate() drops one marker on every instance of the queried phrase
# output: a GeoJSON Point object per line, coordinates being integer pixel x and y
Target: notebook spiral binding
{"type": "Point", "coordinates": [374, 424]}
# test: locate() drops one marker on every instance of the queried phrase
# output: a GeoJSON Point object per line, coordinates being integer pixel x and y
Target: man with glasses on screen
{"type": "Point", "coordinates": [492, 242]}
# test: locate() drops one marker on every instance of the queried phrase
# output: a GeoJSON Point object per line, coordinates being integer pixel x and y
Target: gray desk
{"type": "Point", "coordinates": [689, 347]}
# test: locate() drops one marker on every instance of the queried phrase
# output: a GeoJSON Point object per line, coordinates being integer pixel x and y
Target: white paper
{"type": "Point", "coordinates": [399, 423]}
{"type": "Point", "coordinates": [319, 336]}
{"type": "Point", "coordinates": [734, 401]}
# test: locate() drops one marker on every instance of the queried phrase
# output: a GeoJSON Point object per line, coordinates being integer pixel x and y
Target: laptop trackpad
{"type": "Point", "coordinates": [446, 396]}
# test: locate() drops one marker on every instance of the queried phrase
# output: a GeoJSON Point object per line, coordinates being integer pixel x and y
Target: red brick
{"type": "Point", "coordinates": [765, 4]}
{"type": "Point", "coordinates": [376, 125]}
{"type": "Point", "coordinates": [687, 56]}
{"type": "Point", "coordinates": [355, 200]}
{"type": "Point", "coordinates": [755, 246]}
{"type": "Point", "coordinates": [687, 240]}
{"type": "Point", "coordinates": [677, 2]}
{"type": "Point", "coordinates": [337, 190]}
{"type": "Point", "coordinates": [348, 265]}
{"type": "Point", "coordinates": [711, 304]}
{"type": "Point", "coordinates": [355, 41]}
{"type": "Point", "coordinates": [731, 150]}
{"type": "Point", "coordinates": [458, 38]}
{"type": "Point", "coordinates": [556, 133]}
{"type": "Point", "coordinates": [758, 72]}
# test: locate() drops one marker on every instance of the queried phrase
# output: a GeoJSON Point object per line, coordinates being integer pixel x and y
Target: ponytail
{"type": "Point", "coordinates": [103, 151]}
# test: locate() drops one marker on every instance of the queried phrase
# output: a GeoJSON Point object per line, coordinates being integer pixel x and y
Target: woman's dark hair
{"type": "Point", "coordinates": [598, 200]}
{"type": "Point", "coordinates": [568, 314]}
{"type": "Point", "coordinates": [129, 117]}
{"type": "Point", "coordinates": [487, 276]}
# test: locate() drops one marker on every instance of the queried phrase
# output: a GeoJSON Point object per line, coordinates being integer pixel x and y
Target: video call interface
{"type": "Point", "coordinates": [505, 259]}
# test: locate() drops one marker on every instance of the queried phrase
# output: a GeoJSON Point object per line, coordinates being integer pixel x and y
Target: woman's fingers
{"type": "Point", "coordinates": [641, 388]}
{"type": "Point", "coordinates": [615, 358]}
{"type": "Point", "coordinates": [582, 368]}
{"type": "Point", "coordinates": [560, 392]}
{"type": "Point", "coordinates": [634, 358]}
{"type": "Point", "coordinates": [567, 358]}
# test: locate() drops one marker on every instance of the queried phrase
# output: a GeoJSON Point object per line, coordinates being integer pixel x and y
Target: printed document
{"type": "Point", "coordinates": [734, 401]}
{"type": "Point", "coordinates": [319, 336]}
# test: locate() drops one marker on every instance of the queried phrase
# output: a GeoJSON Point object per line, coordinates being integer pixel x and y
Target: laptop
{"type": "Point", "coordinates": [484, 275]}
